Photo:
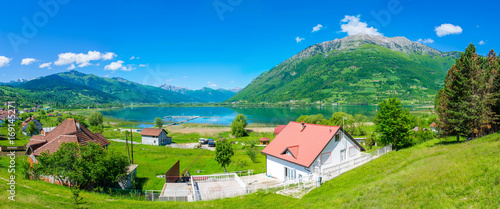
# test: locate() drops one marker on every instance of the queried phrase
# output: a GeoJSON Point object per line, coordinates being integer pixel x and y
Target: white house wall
{"type": "Point", "coordinates": [150, 140]}
{"type": "Point", "coordinates": [276, 167]}
{"type": "Point", "coordinates": [334, 147]}
{"type": "Point", "coordinates": [161, 140]}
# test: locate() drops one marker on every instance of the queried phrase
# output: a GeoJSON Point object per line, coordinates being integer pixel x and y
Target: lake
{"type": "Point", "coordinates": [224, 115]}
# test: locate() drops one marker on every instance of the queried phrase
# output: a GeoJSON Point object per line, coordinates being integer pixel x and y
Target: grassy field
{"type": "Point", "coordinates": [436, 174]}
{"type": "Point", "coordinates": [155, 160]}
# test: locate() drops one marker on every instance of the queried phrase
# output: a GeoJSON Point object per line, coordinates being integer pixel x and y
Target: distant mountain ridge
{"type": "Point", "coordinates": [77, 86]}
{"type": "Point", "coordinates": [360, 69]}
{"type": "Point", "coordinates": [205, 94]}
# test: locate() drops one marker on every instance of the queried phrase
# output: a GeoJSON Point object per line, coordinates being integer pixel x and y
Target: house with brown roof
{"type": "Point", "coordinates": [4, 115]}
{"type": "Point", "coordinates": [302, 149]}
{"type": "Point", "coordinates": [38, 125]}
{"type": "Point", "coordinates": [68, 131]}
{"type": "Point", "coordinates": [264, 141]}
{"type": "Point", "coordinates": [155, 136]}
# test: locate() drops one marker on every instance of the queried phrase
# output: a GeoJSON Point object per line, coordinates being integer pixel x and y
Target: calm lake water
{"type": "Point", "coordinates": [224, 115]}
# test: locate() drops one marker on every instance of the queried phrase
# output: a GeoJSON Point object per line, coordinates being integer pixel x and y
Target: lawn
{"type": "Point", "coordinates": [156, 160]}
{"type": "Point", "coordinates": [436, 174]}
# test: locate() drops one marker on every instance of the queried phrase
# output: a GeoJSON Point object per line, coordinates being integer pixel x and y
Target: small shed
{"type": "Point", "coordinates": [264, 141]}
{"type": "Point", "coordinates": [155, 136]}
{"type": "Point", "coordinates": [126, 181]}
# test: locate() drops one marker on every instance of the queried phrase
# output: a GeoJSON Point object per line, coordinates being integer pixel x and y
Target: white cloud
{"type": "Point", "coordinates": [4, 61]}
{"type": "Point", "coordinates": [482, 42]}
{"type": "Point", "coordinates": [114, 65]}
{"type": "Point", "coordinates": [232, 81]}
{"type": "Point", "coordinates": [168, 80]}
{"type": "Point", "coordinates": [81, 59]}
{"type": "Point", "coordinates": [447, 29]}
{"type": "Point", "coordinates": [46, 65]}
{"type": "Point", "coordinates": [132, 58]}
{"type": "Point", "coordinates": [143, 65]}
{"type": "Point", "coordinates": [213, 85]}
{"type": "Point", "coordinates": [353, 26]}
{"type": "Point", "coordinates": [317, 28]}
{"type": "Point", "coordinates": [106, 76]}
{"type": "Point", "coordinates": [28, 61]}
{"type": "Point", "coordinates": [298, 39]}
{"type": "Point", "coordinates": [425, 41]}
{"type": "Point", "coordinates": [71, 67]}
{"type": "Point", "coordinates": [118, 65]}
{"type": "Point", "coordinates": [185, 76]}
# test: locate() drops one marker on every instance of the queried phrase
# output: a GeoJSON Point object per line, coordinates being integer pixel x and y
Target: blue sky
{"type": "Point", "coordinates": [215, 43]}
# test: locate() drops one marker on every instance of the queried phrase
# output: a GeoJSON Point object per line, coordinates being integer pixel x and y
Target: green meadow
{"type": "Point", "coordinates": [436, 174]}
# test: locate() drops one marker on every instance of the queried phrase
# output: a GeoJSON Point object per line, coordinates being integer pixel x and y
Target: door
{"type": "Point", "coordinates": [342, 155]}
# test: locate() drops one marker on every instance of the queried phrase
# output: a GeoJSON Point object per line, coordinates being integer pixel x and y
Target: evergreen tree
{"type": "Point", "coordinates": [466, 104]}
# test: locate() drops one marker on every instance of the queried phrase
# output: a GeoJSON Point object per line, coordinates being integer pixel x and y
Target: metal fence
{"type": "Point", "coordinates": [192, 191]}
{"type": "Point", "coordinates": [296, 187]}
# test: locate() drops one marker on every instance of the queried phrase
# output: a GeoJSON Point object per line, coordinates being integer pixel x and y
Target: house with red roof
{"type": "Point", "coordinates": [278, 129]}
{"type": "Point", "coordinates": [68, 131]}
{"type": "Point", "coordinates": [302, 149]}
{"type": "Point", "coordinates": [155, 136]}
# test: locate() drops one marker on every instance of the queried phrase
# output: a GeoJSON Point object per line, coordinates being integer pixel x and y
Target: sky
{"type": "Point", "coordinates": [216, 43]}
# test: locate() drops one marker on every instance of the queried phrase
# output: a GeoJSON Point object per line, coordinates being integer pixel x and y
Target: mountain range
{"type": "Point", "coordinates": [358, 69]}
{"type": "Point", "coordinates": [74, 87]}
{"type": "Point", "coordinates": [205, 94]}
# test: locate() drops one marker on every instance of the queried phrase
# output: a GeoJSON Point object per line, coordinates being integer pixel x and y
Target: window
{"type": "Point", "coordinates": [326, 158]}
{"type": "Point", "coordinates": [337, 137]}
{"type": "Point", "coordinates": [289, 173]}
{"type": "Point", "coordinates": [353, 151]}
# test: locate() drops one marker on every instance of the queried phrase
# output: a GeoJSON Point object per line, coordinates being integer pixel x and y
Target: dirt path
{"type": "Point", "coordinates": [212, 130]}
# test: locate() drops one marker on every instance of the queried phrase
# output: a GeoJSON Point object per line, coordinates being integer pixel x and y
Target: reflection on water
{"type": "Point", "coordinates": [224, 115]}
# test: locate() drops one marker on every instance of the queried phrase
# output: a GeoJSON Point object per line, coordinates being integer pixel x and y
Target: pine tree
{"type": "Point", "coordinates": [466, 105]}
{"type": "Point", "coordinates": [455, 98]}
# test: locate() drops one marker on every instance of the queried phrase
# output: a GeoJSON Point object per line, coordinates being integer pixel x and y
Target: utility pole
{"type": "Point", "coordinates": [132, 145]}
{"type": "Point", "coordinates": [126, 146]}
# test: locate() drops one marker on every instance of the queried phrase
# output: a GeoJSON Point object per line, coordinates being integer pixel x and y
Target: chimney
{"type": "Point", "coordinates": [78, 126]}
{"type": "Point", "coordinates": [302, 126]}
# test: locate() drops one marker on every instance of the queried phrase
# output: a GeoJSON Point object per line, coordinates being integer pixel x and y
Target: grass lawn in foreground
{"type": "Point", "coordinates": [156, 160]}
{"type": "Point", "coordinates": [436, 174]}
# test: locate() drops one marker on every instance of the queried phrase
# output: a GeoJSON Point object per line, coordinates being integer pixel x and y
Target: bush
{"type": "Point", "coordinates": [252, 154]}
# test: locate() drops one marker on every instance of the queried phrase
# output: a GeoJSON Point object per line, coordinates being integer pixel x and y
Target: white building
{"type": "Point", "coordinates": [155, 136]}
{"type": "Point", "coordinates": [303, 149]}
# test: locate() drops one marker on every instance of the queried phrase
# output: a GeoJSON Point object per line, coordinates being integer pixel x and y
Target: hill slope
{"type": "Point", "coordinates": [116, 88]}
{"type": "Point", "coordinates": [55, 92]}
{"type": "Point", "coordinates": [357, 69]}
{"type": "Point", "coordinates": [436, 174]}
